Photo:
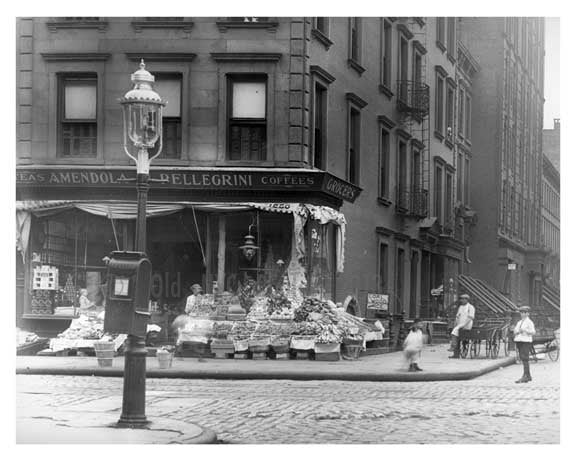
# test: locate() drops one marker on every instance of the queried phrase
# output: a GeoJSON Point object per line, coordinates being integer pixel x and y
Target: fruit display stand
{"type": "Point", "coordinates": [329, 352]}
{"type": "Point", "coordinates": [302, 346]}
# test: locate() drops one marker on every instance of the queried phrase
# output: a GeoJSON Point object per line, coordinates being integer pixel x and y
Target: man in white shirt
{"type": "Point", "coordinates": [192, 299]}
{"type": "Point", "coordinates": [523, 333]}
{"type": "Point", "coordinates": [463, 321]}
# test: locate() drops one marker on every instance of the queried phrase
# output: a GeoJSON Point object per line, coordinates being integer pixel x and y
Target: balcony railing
{"type": "Point", "coordinates": [413, 97]}
{"type": "Point", "coordinates": [412, 201]}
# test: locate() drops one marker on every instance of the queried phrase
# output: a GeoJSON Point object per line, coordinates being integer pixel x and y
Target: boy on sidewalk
{"type": "Point", "coordinates": [413, 345]}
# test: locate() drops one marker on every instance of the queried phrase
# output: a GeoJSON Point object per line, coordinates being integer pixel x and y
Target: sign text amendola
{"type": "Point", "coordinates": [174, 179]}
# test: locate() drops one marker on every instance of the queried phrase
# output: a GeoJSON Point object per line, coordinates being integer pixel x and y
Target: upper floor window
{"type": "Point", "coordinates": [468, 112]}
{"type": "Point", "coordinates": [438, 192]}
{"type": "Point", "coordinates": [355, 41]}
{"type": "Point", "coordinates": [170, 87]}
{"type": "Point", "coordinates": [460, 112]}
{"type": "Point", "coordinates": [247, 118]}
{"type": "Point", "coordinates": [353, 173]}
{"type": "Point", "coordinates": [448, 213]}
{"type": "Point", "coordinates": [384, 164]}
{"type": "Point", "coordinates": [321, 24]}
{"type": "Point", "coordinates": [319, 130]}
{"type": "Point", "coordinates": [439, 113]}
{"type": "Point", "coordinates": [450, 99]}
{"type": "Point", "coordinates": [77, 134]}
{"type": "Point", "coordinates": [441, 33]}
{"type": "Point", "coordinates": [451, 37]}
{"type": "Point", "coordinates": [403, 67]}
{"type": "Point", "coordinates": [386, 51]}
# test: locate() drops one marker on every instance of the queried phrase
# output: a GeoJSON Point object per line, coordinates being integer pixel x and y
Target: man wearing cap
{"type": "Point", "coordinates": [463, 321]}
{"type": "Point", "coordinates": [523, 332]}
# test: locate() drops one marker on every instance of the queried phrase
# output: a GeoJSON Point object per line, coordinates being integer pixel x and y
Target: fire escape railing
{"type": "Point", "coordinates": [413, 97]}
{"type": "Point", "coordinates": [412, 201]}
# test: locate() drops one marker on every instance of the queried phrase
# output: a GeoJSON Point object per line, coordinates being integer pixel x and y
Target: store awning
{"type": "Point", "coordinates": [114, 209]}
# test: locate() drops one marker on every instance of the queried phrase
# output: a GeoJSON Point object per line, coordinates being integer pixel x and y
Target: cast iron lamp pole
{"type": "Point", "coordinates": [142, 113]}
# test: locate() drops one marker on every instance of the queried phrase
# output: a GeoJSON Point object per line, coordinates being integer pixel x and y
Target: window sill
{"type": "Point", "coordinates": [223, 26]}
{"type": "Point", "coordinates": [186, 26]}
{"type": "Point", "coordinates": [438, 135]}
{"type": "Point", "coordinates": [384, 201]}
{"type": "Point", "coordinates": [322, 38]}
{"type": "Point", "coordinates": [54, 26]}
{"type": "Point", "coordinates": [386, 91]}
{"type": "Point", "coordinates": [356, 66]}
{"type": "Point", "coordinates": [451, 58]}
{"type": "Point", "coordinates": [448, 142]}
{"type": "Point", "coordinates": [441, 45]}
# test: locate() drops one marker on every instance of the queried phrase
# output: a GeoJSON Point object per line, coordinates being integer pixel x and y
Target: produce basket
{"type": "Point", "coordinates": [327, 356]}
{"type": "Point", "coordinates": [325, 348]}
{"type": "Point", "coordinates": [240, 345]}
{"type": "Point", "coordinates": [303, 343]}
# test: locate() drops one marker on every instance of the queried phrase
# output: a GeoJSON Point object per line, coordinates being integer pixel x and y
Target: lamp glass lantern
{"type": "Point", "coordinates": [142, 116]}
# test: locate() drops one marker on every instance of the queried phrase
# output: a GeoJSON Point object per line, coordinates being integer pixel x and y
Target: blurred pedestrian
{"type": "Point", "coordinates": [413, 345]}
{"type": "Point", "coordinates": [523, 333]}
{"type": "Point", "coordinates": [463, 321]}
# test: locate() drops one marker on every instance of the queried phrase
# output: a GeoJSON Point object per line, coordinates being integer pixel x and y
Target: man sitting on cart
{"type": "Point", "coordinates": [463, 321]}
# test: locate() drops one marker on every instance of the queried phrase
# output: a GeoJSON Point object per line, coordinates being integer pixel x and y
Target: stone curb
{"type": "Point", "coordinates": [296, 375]}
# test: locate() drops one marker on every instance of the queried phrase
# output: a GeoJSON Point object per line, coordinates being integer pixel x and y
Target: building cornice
{"type": "Point", "coordinates": [51, 57]}
{"type": "Point", "coordinates": [161, 56]}
{"type": "Point", "coordinates": [247, 57]}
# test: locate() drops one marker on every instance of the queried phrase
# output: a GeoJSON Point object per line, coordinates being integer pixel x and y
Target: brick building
{"type": "Point", "coordinates": [313, 134]}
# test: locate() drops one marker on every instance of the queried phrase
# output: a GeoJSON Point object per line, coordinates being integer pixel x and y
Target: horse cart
{"type": "Point", "coordinates": [489, 335]}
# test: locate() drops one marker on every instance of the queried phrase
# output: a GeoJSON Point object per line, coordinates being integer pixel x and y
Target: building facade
{"type": "Point", "coordinates": [342, 145]}
{"type": "Point", "coordinates": [507, 249]}
{"type": "Point", "coordinates": [551, 214]}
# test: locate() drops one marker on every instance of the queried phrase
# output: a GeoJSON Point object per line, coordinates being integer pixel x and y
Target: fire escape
{"type": "Point", "coordinates": [413, 105]}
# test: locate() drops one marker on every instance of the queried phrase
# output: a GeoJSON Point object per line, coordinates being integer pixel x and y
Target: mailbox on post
{"type": "Point", "coordinates": [129, 275]}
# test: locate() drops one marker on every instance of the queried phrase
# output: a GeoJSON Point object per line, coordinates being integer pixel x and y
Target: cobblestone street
{"type": "Point", "coordinates": [489, 409]}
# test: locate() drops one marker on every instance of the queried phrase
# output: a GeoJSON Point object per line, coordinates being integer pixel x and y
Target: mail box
{"type": "Point", "coordinates": [129, 275]}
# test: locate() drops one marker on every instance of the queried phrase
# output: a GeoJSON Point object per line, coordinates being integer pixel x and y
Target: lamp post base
{"type": "Point", "coordinates": [134, 397]}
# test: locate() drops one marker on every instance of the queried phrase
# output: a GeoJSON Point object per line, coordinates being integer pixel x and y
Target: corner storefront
{"type": "Point", "coordinates": [224, 229]}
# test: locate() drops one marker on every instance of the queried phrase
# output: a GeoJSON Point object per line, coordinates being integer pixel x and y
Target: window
{"type": "Point", "coordinates": [321, 24]}
{"type": "Point", "coordinates": [439, 119]}
{"type": "Point", "coordinates": [319, 131]}
{"type": "Point", "coordinates": [460, 112]}
{"type": "Point", "coordinates": [170, 87]}
{"type": "Point", "coordinates": [441, 33]}
{"type": "Point", "coordinates": [386, 50]}
{"type": "Point", "coordinates": [468, 125]}
{"type": "Point", "coordinates": [77, 116]}
{"type": "Point", "coordinates": [448, 198]}
{"type": "Point", "coordinates": [467, 181]}
{"type": "Point", "coordinates": [384, 163]}
{"type": "Point", "coordinates": [449, 112]}
{"type": "Point", "coordinates": [247, 118]}
{"type": "Point", "coordinates": [353, 146]}
{"type": "Point", "coordinates": [401, 167]}
{"type": "Point", "coordinates": [403, 67]}
{"type": "Point", "coordinates": [416, 170]}
{"type": "Point", "coordinates": [355, 40]}
{"type": "Point", "coordinates": [417, 70]}
{"type": "Point", "coordinates": [383, 268]}
{"type": "Point", "coordinates": [451, 37]}
{"type": "Point", "coordinates": [459, 177]}
{"type": "Point", "coordinates": [438, 193]}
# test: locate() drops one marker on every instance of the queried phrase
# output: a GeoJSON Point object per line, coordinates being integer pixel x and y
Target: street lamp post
{"type": "Point", "coordinates": [142, 114]}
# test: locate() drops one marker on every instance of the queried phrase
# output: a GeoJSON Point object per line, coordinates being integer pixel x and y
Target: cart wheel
{"type": "Point", "coordinates": [464, 347]}
{"type": "Point", "coordinates": [495, 348]}
{"type": "Point", "coordinates": [488, 347]}
{"type": "Point", "coordinates": [554, 351]}
{"type": "Point", "coordinates": [475, 349]}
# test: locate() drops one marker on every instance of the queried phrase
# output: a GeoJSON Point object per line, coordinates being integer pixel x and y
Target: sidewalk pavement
{"type": "Point", "coordinates": [383, 367]}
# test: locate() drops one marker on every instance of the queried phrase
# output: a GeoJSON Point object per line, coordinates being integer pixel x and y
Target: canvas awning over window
{"type": "Point", "coordinates": [128, 210]}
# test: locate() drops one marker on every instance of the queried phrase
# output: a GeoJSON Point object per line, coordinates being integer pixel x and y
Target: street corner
{"type": "Point", "coordinates": [63, 428]}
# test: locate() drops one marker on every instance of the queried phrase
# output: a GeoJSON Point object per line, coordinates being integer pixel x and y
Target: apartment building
{"type": "Point", "coordinates": [341, 145]}
{"type": "Point", "coordinates": [506, 181]}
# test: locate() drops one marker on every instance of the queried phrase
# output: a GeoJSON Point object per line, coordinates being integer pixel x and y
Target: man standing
{"type": "Point", "coordinates": [463, 321]}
